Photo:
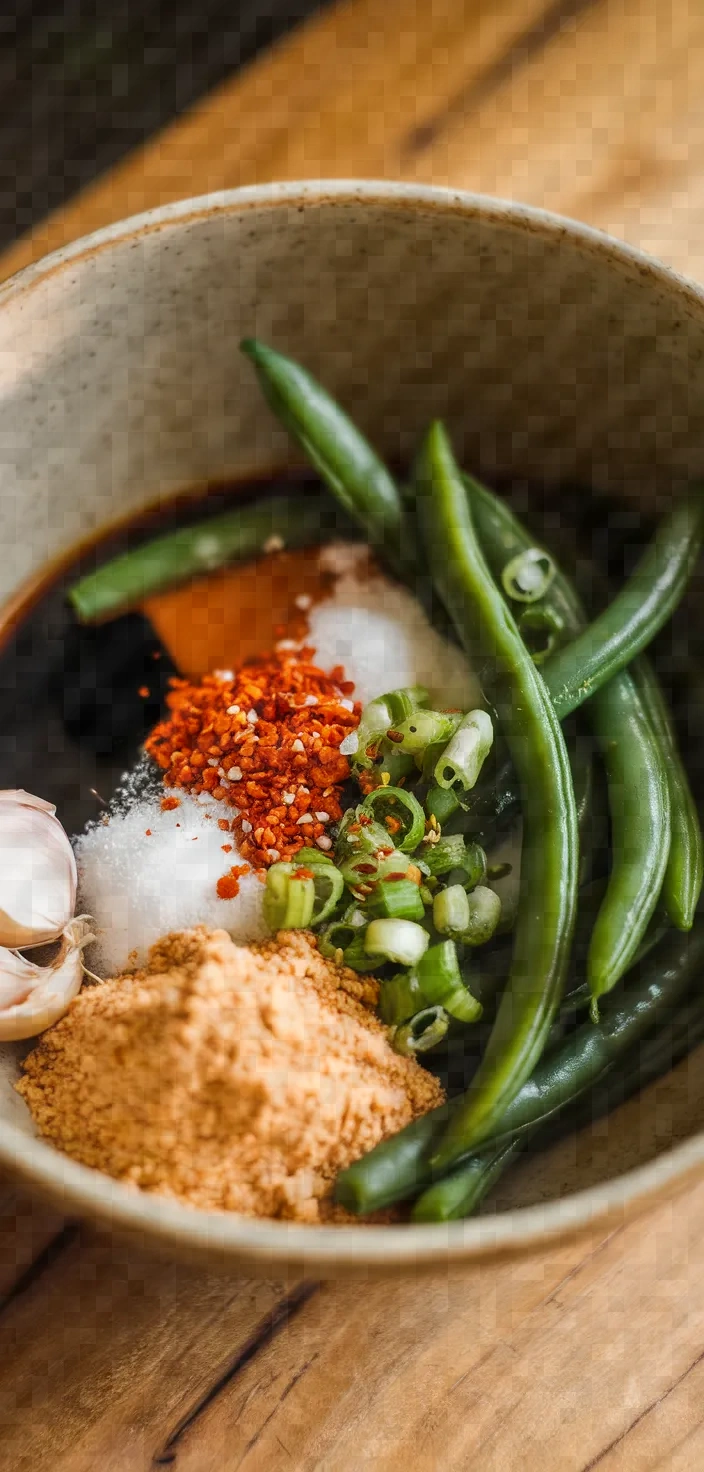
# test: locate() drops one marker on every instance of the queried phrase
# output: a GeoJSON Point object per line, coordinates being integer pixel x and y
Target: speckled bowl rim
{"type": "Point", "coordinates": [273, 1246]}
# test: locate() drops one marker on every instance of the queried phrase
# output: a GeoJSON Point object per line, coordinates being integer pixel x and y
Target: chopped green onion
{"type": "Point", "coordinates": [441, 803]}
{"type": "Point", "coordinates": [402, 703]}
{"type": "Point", "coordinates": [400, 813]}
{"type": "Point", "coordinates": [400, 998]}
{"type": "Point", "coordinates": [402, 941]}
{"type": "Point", "coordinates": [453, 853]}
{"type": "Point", "coordinates": [440, 981]}
{"type": "Point", "coordinates": [358, 958]}
{"type": "Point", "coordinates": [396, 899]}
{"type": "Point", "coordinates": [308, 856]}
{"type": "Point", "coordinates": [484, 916]}
{"type": "Point", "coordinates": [336, 938]}
{"type": "Point", "coordinates": [451, 910]}
{"type": "Point", "coordinates": [329, 885]}
{"type": "Point", "coordinates": [423, 728]}
{"type": "Point", "coordinates": [527, 577]}
{"type": "Point", "coordinates": [394, 764]}
{"type": "Point", "coordinates": [540, 629]}
{"type": "Point", "coordinates": [374, 723]}
{"type": "Point", "coordinates": [288, 901]}
{"type": "Point", "coordinates": [464, 756]}
{"type": "Point", "coordinates": [423, 1032]}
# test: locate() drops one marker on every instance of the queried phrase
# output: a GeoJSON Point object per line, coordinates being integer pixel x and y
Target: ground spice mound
{"type": "Point", "coordinates": [266, 741]}
{"type": "Point", "coordinates": [231, 1077]}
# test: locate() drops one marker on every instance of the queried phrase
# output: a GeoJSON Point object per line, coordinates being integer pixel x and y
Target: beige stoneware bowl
{"type": "Point", "coordinates": [552, 352]}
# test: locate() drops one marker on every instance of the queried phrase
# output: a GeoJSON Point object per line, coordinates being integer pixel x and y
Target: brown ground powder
{"type": "Point", "coordinates": [232, 1077]}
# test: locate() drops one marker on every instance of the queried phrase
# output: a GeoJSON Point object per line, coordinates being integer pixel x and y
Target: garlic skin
{"type": "Point", "coordinates": [37, 872]}
{"type": "Point", "coordinates": [33, 997]}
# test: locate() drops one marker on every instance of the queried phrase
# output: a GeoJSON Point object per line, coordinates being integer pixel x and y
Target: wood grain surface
{"type": "Point", "coordinates": [587, 1355]}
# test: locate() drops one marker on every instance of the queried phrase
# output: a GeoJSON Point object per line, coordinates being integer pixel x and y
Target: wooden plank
{"type": "Point", "coordinates": [28, 1230]}
{"type": "Point", "coordinates": [589, 107]}
{"type": "Point", "coordinates": [542, 1364]}
{"type": "Point", "coordinates": [107, 1350]}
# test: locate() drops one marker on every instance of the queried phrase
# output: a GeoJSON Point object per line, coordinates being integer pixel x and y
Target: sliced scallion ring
{"type": "Point", "coordinates": [402, 941]}
{"type": "Point", "coordinates": [540, 629]}
{"type": "Point", "coordinates": [451, 910]}
{"type": "Point", "coordinates": [421, 1033]}
{"type": "Point", "coordinates": [528, 575]}
{"type": "Point", "coordinates": [440, 980]}
{"type": "Point", "coordinates": [466, 752]}
{"type": "Point", "coordinates": [422, 729]}
{"type": "Point", "coordinates": [400, 813]}
{"type": "Point", "coordinates": [288, 900]}
{"type": "Point", "coordinates": [396, 899]}
{"type": "Point", "coordinates": [484, 915]}
{"type": "Point", "coordinates": [402, 703]}
{"type": "Point", "coordinates": [400, 998]}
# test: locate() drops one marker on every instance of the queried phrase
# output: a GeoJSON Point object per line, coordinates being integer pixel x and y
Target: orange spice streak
{"type": "Point", "coordinates": [229, 886]}
{"type": "Point", "coordinates": [169, 803]}
{"type": "Point", "coordinates": [266, 742]}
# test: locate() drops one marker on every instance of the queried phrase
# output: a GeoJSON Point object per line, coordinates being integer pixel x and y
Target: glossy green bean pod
{"type": "Point", "coordinates": [191, 551]}
{"type": "Point", "coordinates": [461, 1192]}
{"type": "Point", "coordinates": [684, 873]}
{"type": "Point", "coordinates": [332, 443]}
{"type": "Point", "coordinates": [400, 1167]}
{"type": "Point", "coordinates": [636, 762]}
{"type": "Point", "coordinates": [547, 901]}
{"type": "Point", "coordinates": [639, 804]}
{"type": "Point", "coordinates": [637, 613]}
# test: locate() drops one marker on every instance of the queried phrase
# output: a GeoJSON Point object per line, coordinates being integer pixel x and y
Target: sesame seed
{"type": "Point", "coordinates": [324, 842]}
{"type": "Point", "coordinates": [212, 761]}
{"type": "Point", "coordinates": [274, 855]}
{"type": "Point", "coordinates": [347, 704]}
{"type": "Point", "coordinates": [323, 817]}
{"type": "Point", "coordinates": [274, 544]}
{"type": "Point", "coordinates": [304, 818]}
{"type": "Point", "coordinates": [286, 644]}
{"type": "Point", "coordinates": [233, 710]}
{"type": "Point", "coordinates": [298, 745]}
{"type": "Point", "coordinates": [303, 601]}
{"type": "Point", "coordinates": [252, 717]}
{"type": "Point", "coordinates": [225, 675]}
{"type": "Point", "coordinates": [288, 798]}
{"type": "Point", "coordinates": [246, 827]}
{"type": "Point", "coordinates": [235, 774]}
{"type": "Point", "coordinates": [311, 700]}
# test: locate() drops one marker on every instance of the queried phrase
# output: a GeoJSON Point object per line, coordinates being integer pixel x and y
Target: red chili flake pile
{"type": "Point", "coordinates": [265, 741]}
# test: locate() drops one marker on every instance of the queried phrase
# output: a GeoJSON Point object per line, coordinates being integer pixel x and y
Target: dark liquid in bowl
{"type": "Point", "coordinates": [72, 717]}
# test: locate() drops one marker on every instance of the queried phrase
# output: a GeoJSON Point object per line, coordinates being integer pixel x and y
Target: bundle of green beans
{"type": "Point", "coordinates": [520, 619]}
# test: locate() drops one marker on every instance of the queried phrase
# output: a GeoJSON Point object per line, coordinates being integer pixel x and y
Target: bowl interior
{"type": "Point", "coordinates": [553, 355]}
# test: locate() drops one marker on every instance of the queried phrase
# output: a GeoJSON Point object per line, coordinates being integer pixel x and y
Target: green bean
{"type": "Point", "coordinates": [547, 901]}
{"type": "Point", "coordinates": [401, 1166]}
{"type": "Point", "coordinates": [635, 616]}
{"type": "Point", "coordinates": [636, 765]}
{"type": "Point", "coordinates": [685, 866]}
{"type": "Point", "coordinates": [640, 832]}
{"type": "Point", "coordinates": [332, 443]}
{"type": "Point", "coordinates": [236, 536]}
{"type": "Point", "coordinates": [460, 1193]}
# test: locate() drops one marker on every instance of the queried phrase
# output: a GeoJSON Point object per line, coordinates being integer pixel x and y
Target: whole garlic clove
{"type": "Point", "coordinates": [37, 871]}
{"type": "Point", "coordinates": [43, 992]}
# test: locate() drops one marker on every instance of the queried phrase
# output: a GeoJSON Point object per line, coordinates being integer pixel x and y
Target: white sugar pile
{"type": "Point", "coordinates": [139, 887]}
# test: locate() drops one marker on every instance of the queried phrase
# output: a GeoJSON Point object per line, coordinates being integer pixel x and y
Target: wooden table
{"type": "Point", "coordinates": [587, 1355]}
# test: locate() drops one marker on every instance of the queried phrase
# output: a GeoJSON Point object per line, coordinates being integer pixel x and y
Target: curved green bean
{"type": "Point", "coordinates": [191, 551]}
{"type": "Point", "coordinates": [400, 1167]}
{"type": "Point", "coordinates": [640, 832]}
{"type": "Point", "coordinates": [547, 901]}
{"type": "Point", "coordinates": [646, 601]}
{"type": "Point", "coordinates": [332, 443]}
{"type": "Point", "coordinates": [637, 766]}
{"type": "Point", "coordinates": [460, 1193]}
{"type": "Point", "coordinates": [684, 874]}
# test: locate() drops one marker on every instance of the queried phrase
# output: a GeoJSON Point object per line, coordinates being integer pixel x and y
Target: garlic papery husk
{"type": "Point", "coordinates": [37, 871]}
{"type": "Point", "coordinates": [33, 997]}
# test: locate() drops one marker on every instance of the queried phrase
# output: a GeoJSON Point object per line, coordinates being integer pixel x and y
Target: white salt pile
{"type": "Point", "coordinates": [380, 633]}
{"type": "Point", "coordinates": [139, 885]}
{"type": "Point", "coordinates": [147, 872]}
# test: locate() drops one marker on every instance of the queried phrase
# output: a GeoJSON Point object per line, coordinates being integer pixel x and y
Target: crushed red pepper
{"type": "Point", "coordinates": [229, 886]}
{"type": "Point", "coordinates": [266, 742]}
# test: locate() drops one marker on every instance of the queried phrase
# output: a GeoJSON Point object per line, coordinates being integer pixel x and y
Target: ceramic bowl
{"type": "Point", "coordinates": [552, 352]}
